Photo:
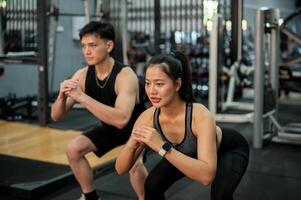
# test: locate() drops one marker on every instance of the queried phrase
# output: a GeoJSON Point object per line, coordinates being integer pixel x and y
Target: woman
{"type": "Point", "coordinates": [184, 133]}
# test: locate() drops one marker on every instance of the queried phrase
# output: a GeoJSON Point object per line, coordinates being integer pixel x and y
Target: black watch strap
{"type": "Point", "coordinates": [165, 148]}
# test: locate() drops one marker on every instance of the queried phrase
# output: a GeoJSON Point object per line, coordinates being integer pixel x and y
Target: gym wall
{"type": "Point", "coordinates": [22, 79]}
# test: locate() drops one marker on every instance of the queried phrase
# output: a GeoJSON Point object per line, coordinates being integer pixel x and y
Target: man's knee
{"type": "Point", "coordinates": [72, 151]}
{"type": "Point", "coordinates": [77, 148]}
{"type": "Point", "coordinates": [136, 167]}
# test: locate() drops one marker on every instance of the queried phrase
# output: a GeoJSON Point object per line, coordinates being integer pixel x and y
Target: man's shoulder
{"type": "Point", "coordinates": [82, 70]}
{"type": "Point", "coordinates": [126, 70]}
{"type": "Point", "coordinates": [81, 73]}
{"type": "Point", "coordinates": [126, 77]}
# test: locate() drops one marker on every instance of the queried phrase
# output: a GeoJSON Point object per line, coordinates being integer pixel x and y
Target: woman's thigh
{"type": "Point", "coordinates": [160, 178]}
{"type": "Point", "coordinates": [231, 167]}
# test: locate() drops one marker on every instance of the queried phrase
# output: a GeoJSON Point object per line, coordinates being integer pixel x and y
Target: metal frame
{"type": "Point", "coordinates": [292, 35]}
{"type": "Point", "coordinates": [230, 103]}
{"type": "Point", "coordinates": [157, 37]}
{"type": "Point", "coordinates": [53, 24]}
{"type": "Point", "coordinates": [236, 56]}
{"type": "Point", "coordinates": [258, 80]}
{"type": "Point", "coordinates": [42, 61]}
{"type": "Point", "coordinates": [215, 61]}
{"type": "Point", "coordinates": [216, 100]}
{"type": "Point", "coordinates": [236, 30]}
{"type": "Point", "coordinates": [117, 16]}
{"type": "Point", "coordinates": [290, 133]}
{"type": "Point", "coordinates": [86, 9]}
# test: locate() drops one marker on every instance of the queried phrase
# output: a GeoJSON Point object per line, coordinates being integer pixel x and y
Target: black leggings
{"type": "Point", "coordinates": [233, 156]}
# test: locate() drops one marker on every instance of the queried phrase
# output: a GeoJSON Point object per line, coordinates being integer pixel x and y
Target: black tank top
{"type": "Point", "coordinates": [189, 144]}
{"type": "Point", "coordinates": [107, 95]}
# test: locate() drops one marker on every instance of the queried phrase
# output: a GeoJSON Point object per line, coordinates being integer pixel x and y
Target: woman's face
{"type": "Point", "coordinates": [159, 87]}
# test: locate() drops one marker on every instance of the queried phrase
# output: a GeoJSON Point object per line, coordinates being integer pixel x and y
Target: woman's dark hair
{"type": "Point", "coordinates": [176, 65]}
{"type": "Point", "coordinates": [102, 29]}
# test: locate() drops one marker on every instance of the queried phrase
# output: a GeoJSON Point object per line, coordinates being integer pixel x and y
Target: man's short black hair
{"type": "Point", "coordinates": [102, 29]}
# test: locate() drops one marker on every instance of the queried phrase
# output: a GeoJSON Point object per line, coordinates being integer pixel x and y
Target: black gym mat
{"type": "Point", "coordinates": [273, 174]}
{"type": "Point", "coordinates": [76, 119]}
{"type": "Point", "coordinates": [29, 178]}
{"type": "Point", "coordinates": [119, 187]}
{"type": "Point", "coordinates": [114, 187]}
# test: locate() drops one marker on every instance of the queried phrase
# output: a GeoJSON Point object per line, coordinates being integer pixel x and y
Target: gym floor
{"type": "Point", "coordinates": [273, 172]}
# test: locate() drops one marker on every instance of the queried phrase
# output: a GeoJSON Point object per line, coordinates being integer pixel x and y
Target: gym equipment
{"type": "Point", "coordinates": [219, 73]}
{"type": "Point", "coordinates": [86, 9]}
{"type": "Point", "coordinates": [139, 51]}
{"type": "Point", "coordinates": [1, 71]}
{"type": "Point", "coordinates": [266, 125]}
{"type": "Point", "coordinates": [233, 74]}
{"type": "Point", "coordinates": [42, 61]}
{"type": "Point", "coordinates": [284, 28]}
{"type": "Point", "coordinates": [26, 22]}
{"type": "Point", "coordinates": [217, 88]}
{"type": "Point", "coordinates": [53, 24]}
{"type": "Point", "coordinates": [290, 65]}
{"type": "Point", "coordinates": [18, 38]}
{"type": "Point", "coordinates": [13, 108]}
{"type": "Point", "coordinates": [116, 14]}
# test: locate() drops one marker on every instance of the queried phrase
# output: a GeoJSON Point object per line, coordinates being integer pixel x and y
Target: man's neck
{"type": "Point", "coordinates": [104, 67]}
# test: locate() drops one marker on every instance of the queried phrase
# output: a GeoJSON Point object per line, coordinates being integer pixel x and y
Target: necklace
{"type": "Point", "coordinates": [105, 83]}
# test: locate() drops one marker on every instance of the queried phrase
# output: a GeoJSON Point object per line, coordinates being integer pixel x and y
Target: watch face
{"type": "Point", "coordinates": [166, 146]}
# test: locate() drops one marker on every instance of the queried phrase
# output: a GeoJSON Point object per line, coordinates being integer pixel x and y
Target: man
{"type": "Point", "coordinates": [106, 88]}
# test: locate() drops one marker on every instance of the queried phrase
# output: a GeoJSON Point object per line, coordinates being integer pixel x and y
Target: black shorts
{"type": "Point", "coordinates": [106, 138]}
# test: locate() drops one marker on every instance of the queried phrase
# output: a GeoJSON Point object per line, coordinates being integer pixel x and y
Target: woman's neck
{"type": "Point", "coordinates": [173, 109]}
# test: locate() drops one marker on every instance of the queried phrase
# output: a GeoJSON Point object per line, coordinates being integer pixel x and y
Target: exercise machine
{"type": "Point", "coordinates": [266, 124]}
{"type": "Point", "coordinates": [13, 108]}
{"type": "Point", "coordinates": [290, 65]}
{"type": "Point", "coordinates": [217, 102]}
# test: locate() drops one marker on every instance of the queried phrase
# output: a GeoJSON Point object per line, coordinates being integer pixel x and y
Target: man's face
{"type": "Point", "coordinates": [95, 49]}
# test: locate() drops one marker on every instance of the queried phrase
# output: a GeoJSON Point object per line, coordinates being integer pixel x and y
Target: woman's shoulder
{"type": "Point", "coordinates": [146, 117]}
{"type": "Point", "coordinates": [149, 112]}
{"type": "Point", "coordinates": [199, 106]}
{"type": "Point", "coordinates": [200, 110]}
{"type": "Point", "coordinates": [201, 118]}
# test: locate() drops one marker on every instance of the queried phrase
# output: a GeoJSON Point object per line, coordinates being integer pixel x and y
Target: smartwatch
{"type": "Point", "coordinates": [165, 148]}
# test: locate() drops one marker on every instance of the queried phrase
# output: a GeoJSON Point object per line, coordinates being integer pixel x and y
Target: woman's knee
{"type": "Point", "coordinates": [152, 185]}
{"type": "Point", "coordinates": [152, 190]}
{"type": "Point", "coordinates": [221, 195]}
{"type": "Point", "coordinates": [223, 189]}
